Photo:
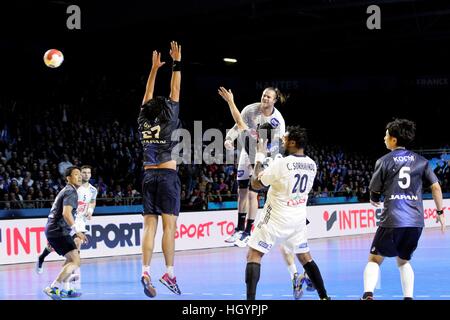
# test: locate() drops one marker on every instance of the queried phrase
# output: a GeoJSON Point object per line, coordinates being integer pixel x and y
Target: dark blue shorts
{"type": "Point", "coordinates": [62, 245]}
{"type": "Point", "coordinates": [161, 191]}
{"type": "Point", "coordinates": [396, 242]}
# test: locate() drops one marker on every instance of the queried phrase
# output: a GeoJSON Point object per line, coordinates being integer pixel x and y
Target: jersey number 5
{"type": "Point", "coordinates": [300, 183]}
{"type": "Point", "coordinates": [404, 175]}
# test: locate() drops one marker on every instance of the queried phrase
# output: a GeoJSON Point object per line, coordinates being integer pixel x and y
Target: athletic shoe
{"type": "Point", "coordinates": [53, 293]}
{"type": "Point", "coordinates": [39, 267]}
{"type": "Point", "coordinates": [307, 281]}
{"type": "Point", "coordinates": [235, 236]}
{"type": "Point", "coordinates": [70, 294]}
{"type": "Point", "coordinates": [149, 289]}
{"type": "Point", "coordinates": [367, 298]}
{"type": "Point", "coordinates": [297, 286]}
{"type": "Point", "coordinates": [242, 242]}
{"type": "Point", "coordinates": [325, 298]}
{"type": "Point", "coordinates": [170, 283]}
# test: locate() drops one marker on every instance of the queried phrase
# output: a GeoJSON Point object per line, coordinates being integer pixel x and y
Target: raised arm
{"type": "Point", "coordinates": [156, 64]}
{"type": "Point", "coordinates": [227, 95]}
{"type": "Point", "coordinates": [175, 82]}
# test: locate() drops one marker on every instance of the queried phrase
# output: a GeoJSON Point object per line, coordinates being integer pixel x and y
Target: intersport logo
{"type": "Point", "coordinates": [352, 219]}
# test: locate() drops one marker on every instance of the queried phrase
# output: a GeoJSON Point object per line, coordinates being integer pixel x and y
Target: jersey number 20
{"type": "Point", "coordinates": [300, 183]}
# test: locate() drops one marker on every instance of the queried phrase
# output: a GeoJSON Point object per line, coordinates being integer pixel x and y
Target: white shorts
{"type": "Point", "coordinates": [245, 169]}
{"type": "Point", "coordinates": [266, 235]}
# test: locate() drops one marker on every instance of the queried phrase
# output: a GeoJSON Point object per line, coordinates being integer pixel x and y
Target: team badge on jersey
{"type": "Point", "coordinates": [274, 122]}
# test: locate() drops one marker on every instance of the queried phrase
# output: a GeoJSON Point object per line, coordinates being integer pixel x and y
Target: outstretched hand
{"type": "Point", "coordinates": [175, 51]}
{"type": "Point", "coordinates": [156, 60]}
{"type": "Point", "coordinates": [227, 95]}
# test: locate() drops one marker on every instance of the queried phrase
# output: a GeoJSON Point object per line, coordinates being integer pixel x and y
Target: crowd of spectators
{"type": "Point", "coordinates": [34, 154]}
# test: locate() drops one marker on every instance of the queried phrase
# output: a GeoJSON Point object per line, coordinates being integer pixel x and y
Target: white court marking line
{"type": "Point", "coordinates": [286, 295]}
{"type": "Point", "coordinates": [444, 296]}
{"type": "Point", "coordinates": [207, 294]}
{"type": "Point", "coordinates": [129, 293]}
{"type": "Point", "coordinates": [397, 296]}
{"type": "Point", "coordinates": [267, 295]}
{"type": "Point", "coordinates": [108, 293]}
{"type": "Point", "coordinates": [30, 294]}
{"type": "Point", "coordinates": [188, 293]}
{"type": "Point", "coordinates": [352, 296]}
{"type": "Point", "coordinates": [226, 294]}
{"type": "Point", "coordinates": [422, 296]}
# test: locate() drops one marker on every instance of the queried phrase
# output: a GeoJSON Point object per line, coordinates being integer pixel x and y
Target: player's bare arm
{"type": "Point", "coordinates": [156, 64]}
{"type": "Point", "coordinates": [436, 193]}
{"type": "Point", "coordinates": [67, 215]}
{"type": "Point", "coordinates": [175, 53]}
{"type": "Point", "coordinates": [258, 170]}
{"type": "Point", "coordinates": [227, 95]}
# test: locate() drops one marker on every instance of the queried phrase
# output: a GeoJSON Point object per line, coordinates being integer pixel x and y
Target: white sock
{"type": "Point", "coordinates": [56, 284]}
{"type": "Point", "coordinates": [77, 283]}
{"type": "Point", "coordinates": [407, 278]}
{"type": "Point", "coordinates": [292, 268]}
{"type": "Point", "coordinates": [371, 276]}
{"type": "Point", "coordinates": [66, 285]}
{"type": "Point", "coordinates": [170, 271]}
{"type": "Point", "coordinates": [146, 269]}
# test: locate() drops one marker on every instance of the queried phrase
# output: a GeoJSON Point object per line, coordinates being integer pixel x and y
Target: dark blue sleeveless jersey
{"type": "Point", "coordinates": [155, 134]}
{"type": "Point", "coordinates": [399, 176]}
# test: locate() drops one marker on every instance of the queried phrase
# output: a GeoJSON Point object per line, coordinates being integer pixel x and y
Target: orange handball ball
{"type": "Point", "coordinates": [53, 58]}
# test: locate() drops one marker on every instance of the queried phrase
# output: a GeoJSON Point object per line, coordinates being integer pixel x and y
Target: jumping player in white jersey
{"type": "Point", "coordinates": [87, 195]}
{"type": "Point", "coordinates": [298, 280]}
{"type": "Point", "coordinates": [253, 115]}
{"type": "Point", "coordinates": [284, 218]}
{"type": "Point", "coordinates": [399, 176]}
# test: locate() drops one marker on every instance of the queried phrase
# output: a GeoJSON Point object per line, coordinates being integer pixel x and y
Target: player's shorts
{"type": "Point", "coordinates": [161, 191]}
{"type": "Point", "coordinates": [266, 234]}
{"type": "Point", "coordinates": [62, 245]}
{"type": "Point", "coordinates": [245, 169]}
{"type": "Point", "coordinates": [396, 242]}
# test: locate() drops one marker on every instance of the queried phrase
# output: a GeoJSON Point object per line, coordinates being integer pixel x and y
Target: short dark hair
{"type": "Point", "coordinates": [402, 129]}
{"type": "Point", "coordinates": [86, 166]}
{"type": "Point", "coordinates": [69, 170]}
{"type": "Point", "coordinates": [154, 108]}
{"type": "Point", "coordinates": [297, 134]}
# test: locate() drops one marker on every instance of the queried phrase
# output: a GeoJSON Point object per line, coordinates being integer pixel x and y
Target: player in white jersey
{"type": "Point", "coordinates": [254, 116]}
{"type": "Point", "coordinates": [87, 195]}
{"type": "Point", "coordinates": [298, 280]}
{"type": "Point", "coordinates": [284, 218]}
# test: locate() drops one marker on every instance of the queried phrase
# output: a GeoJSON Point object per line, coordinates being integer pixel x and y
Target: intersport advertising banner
{"type": "Point", "coordinates": [21, 240]}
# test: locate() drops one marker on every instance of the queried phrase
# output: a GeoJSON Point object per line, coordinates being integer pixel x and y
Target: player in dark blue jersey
{"type": "Point", "coordinates": [399, 176]}
{"type": "Point", "coordinates": [61, 229]}
{"type": "Point", "coordinates": [160, 184]}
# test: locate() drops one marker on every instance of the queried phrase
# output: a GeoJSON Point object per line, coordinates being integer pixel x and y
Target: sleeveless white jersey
{"type": "Point", "coordinates": [86, 194]}
{"type": "Point", "coordinates": [291, 179]}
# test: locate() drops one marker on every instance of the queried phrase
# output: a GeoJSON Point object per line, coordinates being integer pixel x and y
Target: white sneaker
{"type": "Point", "coordinates": [243, 240]}
{"type": "Point", "coordinates": [235, 236]}
{"type": "Point", "coordinates": [39, 270]}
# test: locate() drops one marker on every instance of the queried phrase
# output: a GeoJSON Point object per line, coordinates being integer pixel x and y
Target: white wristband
{"type": "Point", "coordinates": [259, 157]}
{"type": "Point", "coordinates": [90, 211]}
